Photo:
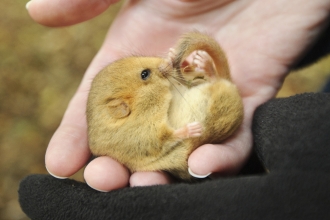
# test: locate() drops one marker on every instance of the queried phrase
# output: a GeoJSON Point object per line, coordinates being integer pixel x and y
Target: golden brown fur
{"type": "Point", "coordinates": [148, 124]}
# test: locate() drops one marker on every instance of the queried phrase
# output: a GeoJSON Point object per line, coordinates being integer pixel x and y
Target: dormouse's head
{"type": "Point", "coordinates": [129, 85]}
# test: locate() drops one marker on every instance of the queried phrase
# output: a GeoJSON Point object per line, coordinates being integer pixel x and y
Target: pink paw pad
{"type": "Point", "coordinates": [194, 129]}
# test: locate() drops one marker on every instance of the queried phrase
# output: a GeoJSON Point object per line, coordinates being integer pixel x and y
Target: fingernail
{"type": "Point", "coordinates": [96, 188]}
{"type": "Point", "coordinates": [196, 175]}
{"type": "Point", "coordinates": [27, 5]}
{"type": "Point", "coordinates": [58, 177]}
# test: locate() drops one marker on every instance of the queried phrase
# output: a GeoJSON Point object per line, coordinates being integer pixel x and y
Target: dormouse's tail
{"type": "Point", "coordinates": [193, 41]}
{"type": "Point", "coordinates": [312, 78]}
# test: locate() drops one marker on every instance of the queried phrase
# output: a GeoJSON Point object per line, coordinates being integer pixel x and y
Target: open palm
{"type": "Point", "coordinates": [261, 38]}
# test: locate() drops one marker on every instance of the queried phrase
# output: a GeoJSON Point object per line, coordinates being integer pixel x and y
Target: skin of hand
{"type": "Point", "coordinates": [262, 39]}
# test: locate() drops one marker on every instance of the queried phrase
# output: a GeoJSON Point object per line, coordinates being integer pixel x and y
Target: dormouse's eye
{"type": "Point", "coordinates": [145, 74]}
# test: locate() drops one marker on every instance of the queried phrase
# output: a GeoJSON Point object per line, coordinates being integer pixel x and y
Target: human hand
{"type": "Point", "coordinates": [261, 39]}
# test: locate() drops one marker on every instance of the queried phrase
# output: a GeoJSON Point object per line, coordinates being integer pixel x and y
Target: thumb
{"type": "Point", "coordinates": [229, 157]}
{"type": "Point", "coordinates": [66, 12]}
{"type": "Point", "coordinates": [224, 159]}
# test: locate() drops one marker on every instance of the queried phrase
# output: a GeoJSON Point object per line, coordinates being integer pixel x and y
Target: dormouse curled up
{"type": "Point", "coordinates": [150, 113]}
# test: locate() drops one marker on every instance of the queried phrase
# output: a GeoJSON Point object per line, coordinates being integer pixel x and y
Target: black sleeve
{"type": "Point", "coordinates": [292, 140]}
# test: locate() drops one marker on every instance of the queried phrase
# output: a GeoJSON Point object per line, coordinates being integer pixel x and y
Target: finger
{"type": "Point", "coordinates": [225, 159]}
{"type": "Point", "coordinates": [68, 149]}
{"type": "Point", "coordinates": [63, 12]}
{"type": "Point", "coordinates": [149, 178]}
{"type": "Point", "coordinates": [105, 174]}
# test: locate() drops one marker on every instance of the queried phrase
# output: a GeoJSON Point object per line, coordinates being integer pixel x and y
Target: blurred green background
{"type": "Point", "coordinates": [40, 69]}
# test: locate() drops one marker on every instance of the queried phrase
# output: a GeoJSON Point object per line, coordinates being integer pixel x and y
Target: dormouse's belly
{"type": "Point", "coordinates": [188, 105]}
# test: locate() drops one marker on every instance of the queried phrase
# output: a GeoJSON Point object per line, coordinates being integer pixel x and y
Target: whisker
{"type": "Point", "coordinates": [177, 89]}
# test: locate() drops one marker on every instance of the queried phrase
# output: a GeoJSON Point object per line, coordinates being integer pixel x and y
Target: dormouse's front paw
{"type": "Point", "coordinates": [169, 60]}
{"type": "Point", "coordinates": [171, 55]}
{"type": "Point", "coordinates": [168, 63]}
{"type": "Point", "coordinates": [193, 129]}
{"type": "Point", "coordinates": [204, 63]}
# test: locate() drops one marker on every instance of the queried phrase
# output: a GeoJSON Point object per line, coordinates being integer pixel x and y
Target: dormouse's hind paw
{"type": "Point", "coordinates": [204, 63]}
{"type": "Point", "coordinates": [193, 129]}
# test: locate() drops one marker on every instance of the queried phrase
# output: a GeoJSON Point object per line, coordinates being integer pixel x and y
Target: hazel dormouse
{"type": "Point", "coordinates": [150, 113]}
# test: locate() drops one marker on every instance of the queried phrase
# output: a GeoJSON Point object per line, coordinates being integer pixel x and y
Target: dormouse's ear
{"type": "Point", "coordinates": [118, 108]}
